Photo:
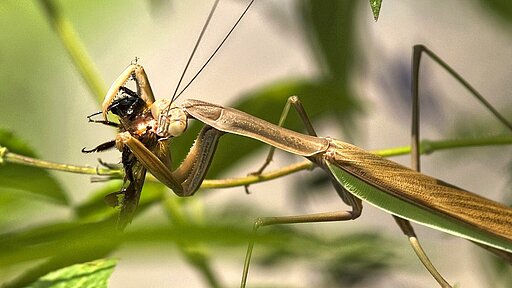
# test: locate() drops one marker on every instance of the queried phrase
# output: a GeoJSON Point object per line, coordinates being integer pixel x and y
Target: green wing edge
{"type": "Point", "coordinates": [406, 210]}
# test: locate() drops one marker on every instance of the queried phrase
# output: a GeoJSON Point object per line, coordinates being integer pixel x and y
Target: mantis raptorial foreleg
{"type": "Point", "coordinates": [137, 73]}
{"type": "Point", "coordinates": [187, 178]}
{"type": "Point", "coordinates": [140, 115]}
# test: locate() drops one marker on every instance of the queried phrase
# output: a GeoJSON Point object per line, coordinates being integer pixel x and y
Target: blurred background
{"type": "Point", "coordinates": [353, 75]}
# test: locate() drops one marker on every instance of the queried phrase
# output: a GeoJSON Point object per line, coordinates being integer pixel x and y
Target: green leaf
{"type": "Point", "coordinates": [375, 5]}
{"type": "Point", "coordinates": [96, 209]}
{"type": "Point", "coordinates": [63, 244]}
{"type": "Point", "coordinates": [501, 9]}
{"type": "Point", "coordinates": [13, 177]}
{"type": "Point", "coordinates": [16, 207]}
{"type": "Point", "coordinates": [329, 26]}
{"type": "Point", "coordinates": [90, 274]}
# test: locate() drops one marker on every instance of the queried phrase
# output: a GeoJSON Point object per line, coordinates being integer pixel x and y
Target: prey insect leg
{"type": "Point", "coordinates": [101, 147]}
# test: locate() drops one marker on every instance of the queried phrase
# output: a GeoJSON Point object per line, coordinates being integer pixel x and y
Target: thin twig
{"type": "Point", "coordinates": [427, 147]}
{"type": "Point", "coordinates": [10, 157]}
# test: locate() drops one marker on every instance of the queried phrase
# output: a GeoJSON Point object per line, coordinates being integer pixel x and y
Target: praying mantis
{"type": "Point", "coordinates": [357, 175]}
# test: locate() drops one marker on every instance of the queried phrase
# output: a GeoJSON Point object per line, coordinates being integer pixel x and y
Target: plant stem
{"type": "Point", "coordinates": [10, 157]}
{"type": "Point", "coordinates": [75, 48]}
{"type": "Point", "coordinates": [426, 147]}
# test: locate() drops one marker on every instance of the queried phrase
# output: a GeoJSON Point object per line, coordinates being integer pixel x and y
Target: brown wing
{"type": "Point", "coordinates": [424, 191]}
{"type": "Point", "coordinates": [135, 174]}
{"type": "Point", "coordinates": [127, 199]}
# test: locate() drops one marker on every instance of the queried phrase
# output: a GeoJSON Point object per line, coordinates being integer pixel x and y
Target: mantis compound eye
{"type": "Point", "coordinates": [172, 121]}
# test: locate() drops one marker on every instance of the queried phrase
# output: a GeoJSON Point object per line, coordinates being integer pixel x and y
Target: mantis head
{"type": "Point", "coordinates": [171, 119]}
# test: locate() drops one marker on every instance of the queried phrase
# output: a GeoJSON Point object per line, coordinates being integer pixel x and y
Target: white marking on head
{"type": "Point", "coordinates": [172, 121]}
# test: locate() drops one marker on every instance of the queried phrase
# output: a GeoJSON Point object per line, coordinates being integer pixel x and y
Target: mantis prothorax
{"type": "Point", "coordinates": [357, 175]}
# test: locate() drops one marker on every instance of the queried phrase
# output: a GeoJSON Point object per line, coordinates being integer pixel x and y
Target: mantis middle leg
{"type": "Point", "coordinates": [350, 200]}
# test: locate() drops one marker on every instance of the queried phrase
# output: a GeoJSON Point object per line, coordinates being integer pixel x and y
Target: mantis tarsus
{"type": "Point", "coordinates": [355, 173]}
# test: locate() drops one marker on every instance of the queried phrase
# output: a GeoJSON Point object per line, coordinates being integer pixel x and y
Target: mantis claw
{"type": "Point", "coordinates": [135, 72]}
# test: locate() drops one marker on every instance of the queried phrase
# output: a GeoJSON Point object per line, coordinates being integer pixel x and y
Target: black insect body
{"type": "Point", "coordinates": [129, 105]}
{"type": "Point", "coordinates": [135, 117]}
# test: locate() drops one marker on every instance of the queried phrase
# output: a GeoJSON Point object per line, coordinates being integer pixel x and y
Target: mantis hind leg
{"type": "Point", "coordinates": [405, 225]}
{"type": "Point", "coordinates": [408, 231]}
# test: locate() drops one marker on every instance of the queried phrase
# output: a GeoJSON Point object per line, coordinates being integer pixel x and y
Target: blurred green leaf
{"type": "Point", "coordinates": [497, 271]}
{"type": "Point", "coordinates": [347, 260]}
{"type": "Point", "coordinates": [500, 8]}
{"type": "Point", "coordinates": [375, 5]}
{"type": "Point", "coordinates": [196, 254]}
{"type": "Point", "coordinates": [59, 244]}
{"type": "Point", "coordinates": [96, 209]}
{"type": "Point", "coordinates": [64, 244]}
{"type": "Point", "coordinates": [90, 274]}
{"type": "Point", "coordinates": [330, 28]}
{"type": "Point", "coordinates": [56, 239]}
{"type": "Point", "coordinates": [18, 208]}
{"type": "Point", "coordinates": [13, 177]}
{"type": "Point", "coordinates": [365, 257]}
{"type": "Point", "coordinates": [373, 253]}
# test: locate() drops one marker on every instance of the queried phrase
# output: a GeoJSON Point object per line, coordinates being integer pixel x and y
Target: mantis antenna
{"type": "Point", "coordinates": [175, 96]}
{"type": "Point", "coordinates": [203, 30]}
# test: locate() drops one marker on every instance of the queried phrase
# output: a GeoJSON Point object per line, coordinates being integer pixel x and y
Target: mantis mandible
{"type": "Point", "coordinates": [357, 175]}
